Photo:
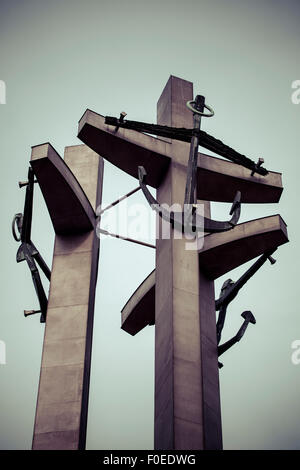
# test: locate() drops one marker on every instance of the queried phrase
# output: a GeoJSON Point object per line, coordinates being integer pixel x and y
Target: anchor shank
{"type": "Point", "coordinates": [225, 346]}
{"type": "Point", "coordinates": [42, 264]}
{"type": "Point", "coordinates": [27, 216]}
{"type": "Point", "coordinates": [220, 322]}
{"type": "Point", "coordinates": [191, 179]}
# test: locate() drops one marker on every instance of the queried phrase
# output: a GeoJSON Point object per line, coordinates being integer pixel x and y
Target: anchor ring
{"type": "Point", "coordinates": [190, 106]}
{"type": "Point", "coordinates": [17, 220]}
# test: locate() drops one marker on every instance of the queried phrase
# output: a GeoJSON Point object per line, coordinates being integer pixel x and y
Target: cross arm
{"type": "Point", "coordinates": [68, 205]}
{"type": "Point", "coordinates": [125, 148]}
{"type": "Point", "coordinates": [142, 300]}
{"type": "Point", "coordinates": [221, 253]}
{"type": "Point", "coordinates": [217, 179]}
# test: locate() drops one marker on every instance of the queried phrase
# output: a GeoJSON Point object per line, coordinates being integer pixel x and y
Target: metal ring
{"type": "Point", "coordinates": [18, 219]}
{"type": "Point", "coordinates": [191, 108]}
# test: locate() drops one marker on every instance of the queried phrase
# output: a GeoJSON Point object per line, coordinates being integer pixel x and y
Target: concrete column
{"type": "Point", "coordinates": [61, 414]}
{"type": "Point", "coordinates": [187, 401]}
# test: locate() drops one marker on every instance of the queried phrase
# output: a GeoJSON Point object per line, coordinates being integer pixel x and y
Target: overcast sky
{"type": "Point", "coordinates": [59, 58]}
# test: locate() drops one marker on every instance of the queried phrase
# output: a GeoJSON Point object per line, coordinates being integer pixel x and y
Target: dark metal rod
{"type": "Point", "coordinates": [119, 200]}
{"type": "Point", "coordinates": [27, 215]}
{"type": "Point", "coordinates": [37, 285]}
{"type": "Point", "coordinates": [191, 178]}
{"type": "Point", "coordinates": [221, 321]}
{"type": "Point", "coordinates": [42, 264]}
{"type": "Point", "coordinates": [185, 135]}
{"type": "Point", "coordinates": [105, 232]}
{"type": "Point", "coordinates": [182, 133]}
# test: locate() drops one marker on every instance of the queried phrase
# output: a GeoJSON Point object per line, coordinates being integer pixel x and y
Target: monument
{"type": "Point", "coordinates": [178, 297]}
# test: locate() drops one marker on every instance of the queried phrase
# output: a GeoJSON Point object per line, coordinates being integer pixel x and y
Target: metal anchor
{"type": "Point", "coordinates": [230, 290]}
{"type": "Point", "coordinates": [27, 250]}
{"type": "Point", "coordinates": [190, 221]}
{"type": "Point", "coordinates": [248, 318]}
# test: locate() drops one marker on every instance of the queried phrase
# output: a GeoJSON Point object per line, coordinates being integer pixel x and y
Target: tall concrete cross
{"type": "Point", "coordinates": [179, 296]}
{"type": "Point", "coordinates": [72, 190]}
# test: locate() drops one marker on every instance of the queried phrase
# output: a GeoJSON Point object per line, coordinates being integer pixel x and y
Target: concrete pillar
{"type": "Point", "coordinates": [61, 414]}
{"type": "Point", "coordinates": [187, 401]}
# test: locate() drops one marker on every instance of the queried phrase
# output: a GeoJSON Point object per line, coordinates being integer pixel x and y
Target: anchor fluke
{"type": "Point", "coordinates": [248, 316]}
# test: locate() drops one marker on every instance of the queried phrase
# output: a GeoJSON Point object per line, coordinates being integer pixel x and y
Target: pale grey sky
{"type": "Point", "coordinates": [59, 58]}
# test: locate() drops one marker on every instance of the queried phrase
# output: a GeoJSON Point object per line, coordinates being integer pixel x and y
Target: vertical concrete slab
{"type": "Point", "coordinates": [187, 401]}
{"type": "Point", "coordinates": [61, 414]}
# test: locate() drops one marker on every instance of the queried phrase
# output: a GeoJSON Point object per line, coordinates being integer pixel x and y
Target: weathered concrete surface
{"type": "Point", "coordinates": [220, 254]}
{"type": "Point", "coordinates": [217, 179]}
{"type": "Point", "coordinates": [64, 381]}
{"type": "Point", "coordinates": [186, 386]}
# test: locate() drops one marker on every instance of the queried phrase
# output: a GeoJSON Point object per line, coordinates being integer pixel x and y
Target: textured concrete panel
{"type": "Point", "coordinates": [61, 413]}
{"type": "Point", "coordinates": [60, 318]}
{"type": "Point", "coordinates": [59, 416]}
{"type": "Point", "coordinates": [60, 440]}
{"type": "Point", "coordinates": [59, 384]}
{"type": "Point", "coordinates": [70, 284]}
{"type": "Point", "coordinates": [188, 434]}
{"type": "Point", "coordinates": [68, 351]}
